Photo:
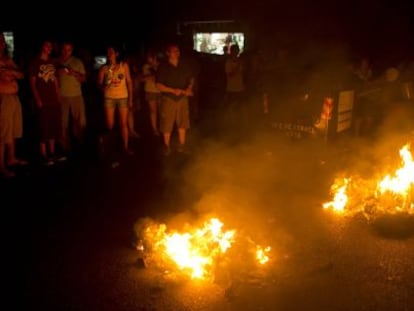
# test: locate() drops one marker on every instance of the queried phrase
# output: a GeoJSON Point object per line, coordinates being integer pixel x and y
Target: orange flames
{"type": "Point", "coordinates": [340, 197]}
{"type": "Point", "coordinates": [195, 252]}
{"type": "Point", "coordinates": [393, 193]}
{"type": "Point", "coordinates": [262, 254]}
{"type": "Point", "coordinates": [400, 185]}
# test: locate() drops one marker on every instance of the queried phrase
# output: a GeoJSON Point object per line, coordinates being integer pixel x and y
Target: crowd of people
{"type": "Point", "coordinates": [68, 99]}
{"type": "Point", "coordinates": [61, 89]}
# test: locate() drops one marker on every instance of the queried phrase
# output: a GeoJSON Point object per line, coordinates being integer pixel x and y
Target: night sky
{"type": "Point", "coordinates": [365, 24]}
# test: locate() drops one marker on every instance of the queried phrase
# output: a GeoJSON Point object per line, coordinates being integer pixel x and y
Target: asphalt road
{"type": "Point", "coordinates": [69, 231]}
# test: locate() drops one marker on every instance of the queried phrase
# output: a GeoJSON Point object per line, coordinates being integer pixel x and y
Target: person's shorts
{"type": "Point", "coordinates": [116, 102]}
{"type": "Point", "coordinates": [11, 120]}
{"type": "Point", "coordinates": [174, 112]}
{"type": "Point", "coordinates": [73, 106]}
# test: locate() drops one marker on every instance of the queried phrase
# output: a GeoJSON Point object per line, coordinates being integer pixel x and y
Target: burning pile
{"type": "Point", "coordinates": [195, 252]}
{"type": "Point", "coordinates": [392, 194]}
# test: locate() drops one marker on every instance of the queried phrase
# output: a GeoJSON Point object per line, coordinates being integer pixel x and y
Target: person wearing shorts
{"type": "Point", "coordinates": [114, 79]}
{"type": "Point", "coordinates": [71, 74]}
{"type": "Point", "coordinates": [174, 80]}
{"type": "Point", "coordinates": [11, 123]}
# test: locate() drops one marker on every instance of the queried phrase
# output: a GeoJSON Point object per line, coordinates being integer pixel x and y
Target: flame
{"type": "Point", "coordinates": [393, 193]}
{"type": "Point", "coordinates": [196, 251]}
{"type": "Point", "coordinates": [261, 254]}
{"type": "Point", "coordinates": [340, 198]}
{"type": "Point", "coordinates": [400, 184]}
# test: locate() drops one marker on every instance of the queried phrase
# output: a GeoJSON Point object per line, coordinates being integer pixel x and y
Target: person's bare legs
{"type": "Point", "coordinates": [182, 133]}
{"type": "Point", "coordinates": [131, 124]}
{"type": "Point", "coordinates": [65, 125]}
{"type": "Point", "coordinates": [109, 117]}
{"type": "Point", "coordinates": [79, 121]}
{"type": "Point", "coordinates": [167, 138]}
{"type": "Point", "coordinates": [11, 156]}
{"type": "Point", "coordinates": [3, 169]}
{"type": "Point", "coordinates": [153, 110]}
{"type": "Point", "coordinates": [182, 136]}
{"type": "Point", "coordinates": [106, 141]}
{"type": "Point", "coordinates": [123, 123]}
{"type": "Point", "coordinates": [51, 145]}
{"type": "Point", "coordinates": [43, 152]}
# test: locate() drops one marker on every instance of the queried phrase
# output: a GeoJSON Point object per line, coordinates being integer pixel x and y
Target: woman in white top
{"type": "Point", "coordinates": [114, 79]}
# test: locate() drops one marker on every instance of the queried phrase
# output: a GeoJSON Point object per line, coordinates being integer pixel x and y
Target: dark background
{"type": "Point", "coordinates": [371, 26]}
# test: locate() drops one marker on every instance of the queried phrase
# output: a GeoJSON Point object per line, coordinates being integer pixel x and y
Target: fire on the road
{"type": "Point", "coordinates": [340, 198]}
{"type": "Point", "coordinates": [196, 252]}
{"type": "Point", "coordinates": [391, 194]}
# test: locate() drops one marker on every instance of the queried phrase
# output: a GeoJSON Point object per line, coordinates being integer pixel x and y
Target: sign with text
{"type": "Point", "coordinates": [345, 108]}
{"type": "Point", "coordinates": [294, 130]}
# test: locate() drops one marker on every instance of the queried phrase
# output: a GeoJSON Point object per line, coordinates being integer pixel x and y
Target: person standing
{"type": "Point", "coordinates": [365, 106]}
{"type": "Point", "coordinates": [234, 68]}
{"type": "Point", "coordinates": [71, 74]}
{"type": "Point", "coordinates": [11, 123]}
{"type": "Point", "coordinates": [114, 79]}
{"type": "Point", "coordinates": [175, 81]}
{"type": "Point", "coordinates": [45, 90]}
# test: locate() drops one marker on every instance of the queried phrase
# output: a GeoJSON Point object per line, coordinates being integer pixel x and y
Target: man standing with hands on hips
{"type": "Point", "coordinates": [175, 80]}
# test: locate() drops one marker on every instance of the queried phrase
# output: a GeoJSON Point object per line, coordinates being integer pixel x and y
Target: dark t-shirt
{"type": "Point", "coordinates": [45, 73]}
{"type": "Point", "coordinates": [175, 77]}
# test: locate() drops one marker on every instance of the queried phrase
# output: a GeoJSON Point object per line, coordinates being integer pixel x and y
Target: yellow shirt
{"type": "Point", "coordinates": [115, 81]}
